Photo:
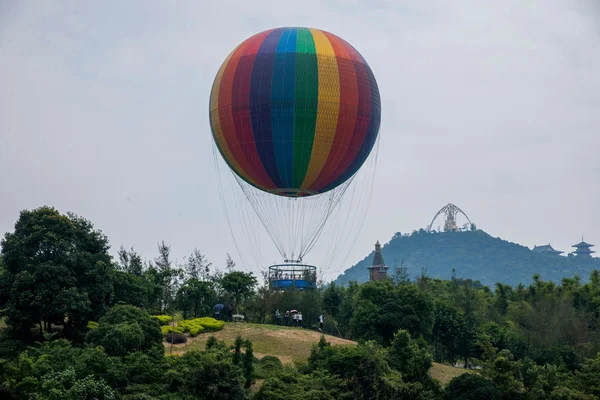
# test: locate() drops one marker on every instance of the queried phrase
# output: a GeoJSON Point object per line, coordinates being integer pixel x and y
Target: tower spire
{"type": "Point", "coordinates": [378, 270]}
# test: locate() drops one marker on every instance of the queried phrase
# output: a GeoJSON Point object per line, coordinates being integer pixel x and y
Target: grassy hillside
{"type": "Point", "coordinates": [288, 344]}
{"type": "Point", "coordinates": [475, 255]}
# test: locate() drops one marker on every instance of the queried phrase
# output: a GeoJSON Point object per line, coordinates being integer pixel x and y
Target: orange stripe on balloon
{"type": "Point", "coordinates": [328, 107]}
{"type": "Point", "coordinates": [348, 105]}
{"type": "Point", "coordinates": [363, 118]}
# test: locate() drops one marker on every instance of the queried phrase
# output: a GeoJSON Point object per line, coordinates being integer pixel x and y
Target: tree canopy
{"type": "Point", "coordinates": [57, 270]}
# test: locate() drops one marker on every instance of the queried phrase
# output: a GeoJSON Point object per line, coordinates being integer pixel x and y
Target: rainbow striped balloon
{"type": "Point", "coordinates": [295, 111]}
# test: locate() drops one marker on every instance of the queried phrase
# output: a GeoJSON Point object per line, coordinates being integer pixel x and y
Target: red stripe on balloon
{"type": "Point", "coordinates": [225, 110]}
{"type": "Point", "coordinates": [243, 146]}
{"type": "Point", "coordinates": [346, 122]}
{"type": "Point", "coordinates": [362, 118]}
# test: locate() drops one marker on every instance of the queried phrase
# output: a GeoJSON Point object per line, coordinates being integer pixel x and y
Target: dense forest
{"type": "Point", "coordinates": [471, 254]}
{"type": "Point", "coordinates": [77, 324]}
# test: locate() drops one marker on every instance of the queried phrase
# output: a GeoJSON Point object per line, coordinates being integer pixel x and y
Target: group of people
{"type": "Point", "coordinates": [296, 317]}
{"type": "Point", "coordinates": [226, 317]}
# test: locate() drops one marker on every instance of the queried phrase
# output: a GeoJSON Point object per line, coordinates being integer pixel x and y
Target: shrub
{"type": "Point", "coordinates": [167, 329]}
{"type": "Point", "coordinates": [197, 325]}
{"type": "Point", "coordinates": [92, 325]}
{"type": "Point", "coordinates": [471, 387]}
{"type": "Point", "coordinates": [126, 329]}
{"type": "Point", "coordinates": [192, 326]}
{"type": "Point", "coordinates": [195, 330]}
{"type": "Point", "coordinates": [163, 319]}
{"type": "Point", "coordinates": [268, 366]}
{"type": "Point", "coordinates": [210, 324]}
{"type": "Point", "coordinates": [175, 338]}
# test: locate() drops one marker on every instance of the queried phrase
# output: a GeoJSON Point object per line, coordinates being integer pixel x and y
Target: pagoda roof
{"type": "Point", "coordinates": [546, 248]}
{"type": "Point", "coordinates": [378, 260]}
{"type": "Point", "coordinates": [583, 244]}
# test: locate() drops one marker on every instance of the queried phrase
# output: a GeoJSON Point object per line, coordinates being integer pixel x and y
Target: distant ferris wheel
{"type": "Point", "coordinates": [450, 211]}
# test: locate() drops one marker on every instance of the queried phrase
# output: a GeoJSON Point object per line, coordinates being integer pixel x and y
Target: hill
{"type": "Point", "coordinates": [473, 254]}
{"type": "Point", "coordinates": [288, 344]}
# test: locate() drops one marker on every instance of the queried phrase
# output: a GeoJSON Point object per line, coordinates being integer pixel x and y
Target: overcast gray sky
{"type": "Point", "coordinates": [493, 106]}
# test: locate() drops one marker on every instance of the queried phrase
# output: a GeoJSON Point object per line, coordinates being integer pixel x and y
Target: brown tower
{"type": "Point", "coordinates": [378, 271]}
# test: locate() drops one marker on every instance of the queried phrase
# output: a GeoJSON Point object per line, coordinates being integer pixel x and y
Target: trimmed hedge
{"type": "Point", "coordinates": [163, 319]}
{"type": "Point", "coordinates": [210, 324]}
{"type": "Point", "coordinates": [195, 326]}
{"type": "Point", "coordinates": [167, 329]}
{"type": "Point", "coordinates": [192, 326]}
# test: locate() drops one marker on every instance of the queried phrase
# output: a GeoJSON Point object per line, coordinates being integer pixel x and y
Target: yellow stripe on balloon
{"type": "Point", "coordinates": [328, 107]}
{"type": "Point", "coordinates": [216, 122]}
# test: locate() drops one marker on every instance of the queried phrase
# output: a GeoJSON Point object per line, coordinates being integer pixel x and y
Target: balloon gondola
{"type": "Point", "coordinates": [294, 113]}
{"type": "Point", "coordinates": [292, 275]}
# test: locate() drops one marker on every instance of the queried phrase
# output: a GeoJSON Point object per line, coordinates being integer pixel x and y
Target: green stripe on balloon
{"type": "Point", "coordinates": [306, 100]}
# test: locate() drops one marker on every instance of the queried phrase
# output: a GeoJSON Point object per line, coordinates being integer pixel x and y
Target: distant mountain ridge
{"type": "Point", "coordinates": [473, 254]}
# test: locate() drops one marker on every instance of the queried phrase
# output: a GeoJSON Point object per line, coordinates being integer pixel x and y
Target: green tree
{"type": "Point", "coordinates": [408, 358]}
{"type": "Point", "coordinates": [131, 289]}
{"type": "Point", "coordinates": [471, 387]}
{"type": "Point", "coordinates": [319, 385]}
{"type": "Point", "coordinates": [126, 329]}
{"type": "Point", "coordinates": [382, 309]}
{"type": "Point", "coordinates": [197, 266]}
{"type": "Point", "coordinates": [447, 330]}
{"type": "Point", "coordinates": [239, 285]}
{"type": "Point", "coordinates": [211, 375]}
{"type": "Point", "coordinates": [57, 271]}
{"type": "Point", "coordinates": [502, 296]}
{"type": "Point", "coordinates": [229, 264]}
{"type": "Point", "coordinates": [248, 364]}
{"type": "Point", "coordinates": [400, 276]}
{"type": "Point", "coordinates": [366, 372]}
{"type": "Point", "coordinates": [167, 276]}
{"type": "Point", "coordinates": [332, 299]}
{"type": "Point", "coordinates": [588, 379]}
{"type": "Point", "coordinates": [65, 385]}
{"type": "Point", "coordinates": [237, 350]}
{"type": "Point", "coordinates": [195, 297]}
{"type": "Point", "coordinates": [130, 261]}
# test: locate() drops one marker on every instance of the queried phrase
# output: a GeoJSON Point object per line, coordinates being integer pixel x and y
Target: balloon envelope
{"type": "Point", "coordinates": [295, 111]}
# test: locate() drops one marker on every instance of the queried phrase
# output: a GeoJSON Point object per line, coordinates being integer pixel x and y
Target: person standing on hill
{"type": "Point", "coordinates": [295, 316]}
{"type": "Point", "coordinates": [286, 317]}
{"type": "Point", "coordinates": [321, 322]}
{"type": "Point", "coordinates": [299, 319]}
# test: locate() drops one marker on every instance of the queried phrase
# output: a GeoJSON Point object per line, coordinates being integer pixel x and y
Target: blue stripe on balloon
{"type": "Point", "coordinates": [260, 104]}
{"type": "Point", "coordinates": [282, 105]}
{"type": "Point", "coordinates": [370, 137]}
